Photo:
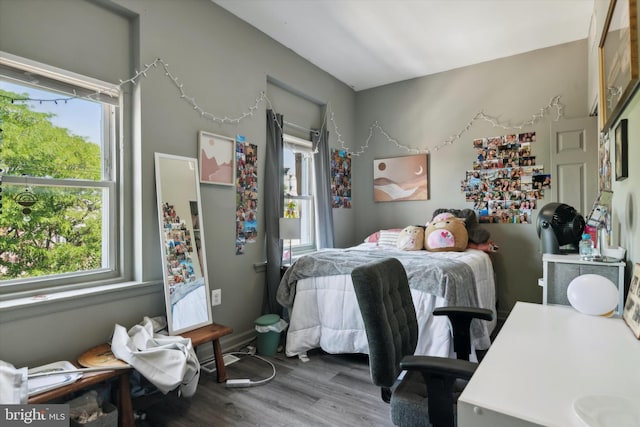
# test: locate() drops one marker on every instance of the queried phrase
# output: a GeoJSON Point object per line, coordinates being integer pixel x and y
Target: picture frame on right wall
{"type": "Point", "coordinates": [631, 312]}
{"type": "Point", "coordinates": [619, 73]}
{"type": "Point", "coordinates": [622, 151]}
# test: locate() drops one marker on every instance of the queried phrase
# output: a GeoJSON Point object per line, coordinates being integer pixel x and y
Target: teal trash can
{"type": "Point", "coordinates": [267, 344]}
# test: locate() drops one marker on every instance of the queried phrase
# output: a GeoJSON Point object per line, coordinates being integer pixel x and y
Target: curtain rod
{"type": "Point", "coordinates": [315, 132]}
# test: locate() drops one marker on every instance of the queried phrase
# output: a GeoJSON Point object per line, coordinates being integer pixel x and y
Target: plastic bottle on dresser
{"type": "Point", "coordinates": [586, 247]}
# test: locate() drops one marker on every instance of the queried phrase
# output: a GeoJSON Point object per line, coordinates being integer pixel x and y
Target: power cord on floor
{"type": "Point", "coordinates": [245, 382]}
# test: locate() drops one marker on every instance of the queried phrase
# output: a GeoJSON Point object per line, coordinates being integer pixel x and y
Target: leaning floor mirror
{"type": "Point", "coordinates": [183, 252]}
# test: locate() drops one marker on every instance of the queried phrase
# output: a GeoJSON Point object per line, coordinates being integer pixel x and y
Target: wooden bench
{"type": "Point", "coordinates": [89, 379]}
{"type": "Point", "coordinates": [210, 333]}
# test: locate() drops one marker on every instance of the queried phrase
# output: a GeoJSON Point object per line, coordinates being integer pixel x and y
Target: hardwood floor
{"type": "Point", "coordinates": [328, 390]}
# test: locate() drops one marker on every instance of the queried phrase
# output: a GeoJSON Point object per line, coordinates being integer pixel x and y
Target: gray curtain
{"type": "Point", "coordinates": [273, 210]}
{"type": "Point", "coordinates": [322, 166]}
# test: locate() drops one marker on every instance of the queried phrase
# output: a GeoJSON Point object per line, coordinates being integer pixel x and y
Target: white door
{"type": "Point", "coordinates": [574, 162]}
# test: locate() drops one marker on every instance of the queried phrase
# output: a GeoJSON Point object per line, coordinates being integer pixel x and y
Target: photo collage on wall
{"type": "Point", "coordinates": [340, 179]}
{"type": "Point", "coordinates": [505, 183]}
{"type": "Point", "coordinates": [246, 193]}
{"type": "Point", "coordinates": [604, 162]}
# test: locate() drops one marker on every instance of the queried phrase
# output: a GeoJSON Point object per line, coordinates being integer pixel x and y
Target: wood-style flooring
{"type": "Point", "coordinates": [328, 390]}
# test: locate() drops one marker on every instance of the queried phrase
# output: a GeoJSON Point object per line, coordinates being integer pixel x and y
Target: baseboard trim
{"type": "Point", "coordinates": [229, 343]}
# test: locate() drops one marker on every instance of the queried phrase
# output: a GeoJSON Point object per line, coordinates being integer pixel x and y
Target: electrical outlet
{"type": "Point", "coordinates": [216, 297]}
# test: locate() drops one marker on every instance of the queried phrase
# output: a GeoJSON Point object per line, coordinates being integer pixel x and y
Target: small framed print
{"type": "Point", "coordinates": [216, 155]}
{"type": "Point", "coordinates": [631, 313]}
{"type": "Point", "coordinates": [622, 147]}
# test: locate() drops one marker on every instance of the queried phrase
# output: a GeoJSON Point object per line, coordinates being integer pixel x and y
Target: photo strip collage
{"type": "Point", "coordinates": [340, 179]}
{"type": "Point", "coordinates": [505, 183]}
{"type": "Point", "coordinates": [246, 194]}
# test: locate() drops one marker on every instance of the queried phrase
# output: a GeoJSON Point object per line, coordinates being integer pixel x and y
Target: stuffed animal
{"type": "Point", "coordinates": [411, 238]}
{"type": "Point", "coordinates": [477, 234]}
{"type": "Point", "coordinates": [445, 232]}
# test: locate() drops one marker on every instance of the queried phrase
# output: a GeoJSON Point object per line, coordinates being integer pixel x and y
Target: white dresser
{"type": "Point", "coordinates": [559, 270]}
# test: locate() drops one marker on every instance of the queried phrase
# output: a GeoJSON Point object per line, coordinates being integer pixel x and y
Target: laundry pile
{"type": "Point", "coordinates": [165, 361]}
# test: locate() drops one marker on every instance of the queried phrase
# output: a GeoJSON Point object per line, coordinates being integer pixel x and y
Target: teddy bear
{"type": "Point", "coordinates": [477, 234]}
{"type": "Point", "coordinates": [446, 232]}
{"type": "Point", "coordinates": [479, 237]}
{"type": "Point", "coordinates": [411, 238]}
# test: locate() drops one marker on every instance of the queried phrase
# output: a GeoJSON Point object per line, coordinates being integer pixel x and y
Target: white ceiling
{"type": "Point", "coordinates": [368, 43]}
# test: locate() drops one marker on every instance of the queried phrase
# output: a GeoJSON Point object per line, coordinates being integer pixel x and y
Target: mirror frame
{"type": "Point", "coordinates": [167, 244]}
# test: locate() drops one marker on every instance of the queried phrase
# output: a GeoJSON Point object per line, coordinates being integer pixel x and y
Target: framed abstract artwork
{"type": "Point", "coordinates": [401, 178]}
{"type": "Point", "coordinates": [216, 155]}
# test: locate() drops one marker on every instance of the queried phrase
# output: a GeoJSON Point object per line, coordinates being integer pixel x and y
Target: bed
{"type": "Point", "coordinates": [323, 310]}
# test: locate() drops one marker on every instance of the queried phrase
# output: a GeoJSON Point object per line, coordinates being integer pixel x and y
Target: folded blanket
{"type": "Point", "coordinates": [447, 278]}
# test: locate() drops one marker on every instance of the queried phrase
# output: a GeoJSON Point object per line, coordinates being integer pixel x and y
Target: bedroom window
{"type": "Point", "coordinates": [59, 187]}
{"type": "Point", "coordinates": [298, 185]}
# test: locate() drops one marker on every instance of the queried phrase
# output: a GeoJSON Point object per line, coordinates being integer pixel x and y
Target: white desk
{"type": "Point", "coordinates": [545, 357]}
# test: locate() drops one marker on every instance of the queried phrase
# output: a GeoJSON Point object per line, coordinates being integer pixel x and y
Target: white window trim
{"type": "Point", "coordinates": [25, 307]}
{"type": "Point", "coordinates": [296, 142]}
{"type": "Point", "coordinates": [16, 67]}
{"type": "Point", "coordinates": [15, 293]}
{"type": "Point", "coordinates": [304, 146]}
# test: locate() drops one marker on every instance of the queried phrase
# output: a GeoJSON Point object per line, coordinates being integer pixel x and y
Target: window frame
{"type": "Point", "coordinates": [305, 147]}
{"type": "Point", "coordinates": [19, 70]}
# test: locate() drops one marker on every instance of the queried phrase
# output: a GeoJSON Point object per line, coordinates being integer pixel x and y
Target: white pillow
{"type": "Point", "coordinates": [388, 238]}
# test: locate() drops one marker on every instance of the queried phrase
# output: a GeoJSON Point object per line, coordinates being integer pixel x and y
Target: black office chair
{"type": "Point", "coordinates": [427, 394]}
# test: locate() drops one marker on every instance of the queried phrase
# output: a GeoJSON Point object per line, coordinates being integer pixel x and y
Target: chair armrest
{"type": "Point", "coordinates": [469, 312]}
{"type": "Point", "coordinates": [455, 368]}
{"type": "Point", "coordinates": [440, 374]}
{"type": "Point", "coordinates": [461, 318]}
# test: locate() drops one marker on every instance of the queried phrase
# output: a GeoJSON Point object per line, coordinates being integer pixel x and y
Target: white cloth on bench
{"type": "Point", "coordinates": [166, 361]}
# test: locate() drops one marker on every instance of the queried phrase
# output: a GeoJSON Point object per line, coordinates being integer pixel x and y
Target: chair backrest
{"type": "Point", "coordinates": [389, 316]}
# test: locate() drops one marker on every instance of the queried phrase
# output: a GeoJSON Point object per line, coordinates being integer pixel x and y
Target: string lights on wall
{"type": "Point", "coordinates": [554, 105]}
{"type": "Point", "coordinates": [13, 100]}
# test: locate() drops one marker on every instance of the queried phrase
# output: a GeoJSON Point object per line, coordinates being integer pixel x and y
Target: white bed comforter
{"type": "Point", "coordinates": [325, 312]}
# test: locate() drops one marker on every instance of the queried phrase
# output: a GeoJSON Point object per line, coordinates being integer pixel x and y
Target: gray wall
{"type": "Point", "coordinates": [626, 193]}
{"type": "Point", "coordinates": [424, 112]}
{"type": "Point", "coordinates": [225, 65]}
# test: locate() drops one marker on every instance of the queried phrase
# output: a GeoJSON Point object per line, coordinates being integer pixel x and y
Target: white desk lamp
{"type": "Point", "coordinates": [289, 230]}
